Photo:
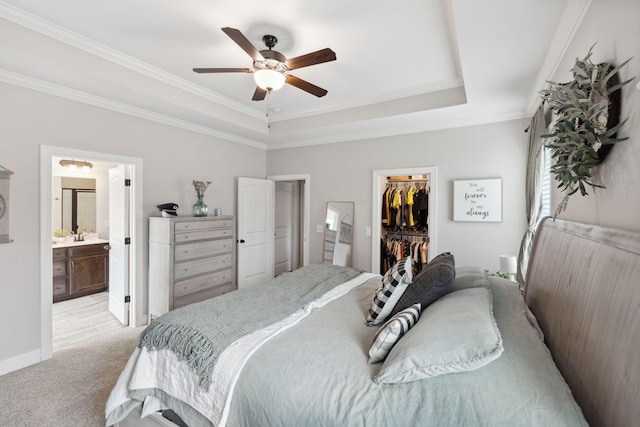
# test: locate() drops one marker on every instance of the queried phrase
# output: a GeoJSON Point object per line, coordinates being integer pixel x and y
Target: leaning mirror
{"type": "Point", "coordinates": [338, 233]}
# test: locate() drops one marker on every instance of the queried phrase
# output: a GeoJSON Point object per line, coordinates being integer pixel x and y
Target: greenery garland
{"type": "Point", "coordinates": [586, 123]}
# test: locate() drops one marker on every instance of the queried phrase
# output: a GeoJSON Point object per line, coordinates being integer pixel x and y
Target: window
{"type": "Point", "coordinates": [546, 182]}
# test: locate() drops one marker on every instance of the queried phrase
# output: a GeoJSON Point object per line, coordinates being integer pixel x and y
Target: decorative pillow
{"type": "Point", "coordinates": [469, 277]}
{"type": "Point", "coordinates": [431, 283]}
{"type": "Point", "coordinates": [392, 331]}
{"type": "Point", "coordinates": [457, 333]}
{"type": "Point", "coordinates": [393, 284]}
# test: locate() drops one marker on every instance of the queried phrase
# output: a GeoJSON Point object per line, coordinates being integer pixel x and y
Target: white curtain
{"type": "Point", "coordinates": [533, 190]}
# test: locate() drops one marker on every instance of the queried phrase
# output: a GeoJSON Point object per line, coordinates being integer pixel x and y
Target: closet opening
{"type": "Point", "coordinates": [403, 217]}
{"type": "Point", "coordinates": [404, 221]}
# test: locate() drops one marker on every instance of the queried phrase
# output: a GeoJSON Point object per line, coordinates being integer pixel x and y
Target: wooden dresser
{"type": "Point", "coordinates": [80, 270]}
{"type": "Point", "coordinates": [190, 259]}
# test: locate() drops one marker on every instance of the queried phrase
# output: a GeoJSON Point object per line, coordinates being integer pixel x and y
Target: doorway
{"type": "Point", "coordinates": [256, 225]}
{"type": "Point", "coordinates": [47, 153]}
{"type": "Point", "coordinates": [379, 185]}
{"type": "Point", "coordinates": [292, 219]}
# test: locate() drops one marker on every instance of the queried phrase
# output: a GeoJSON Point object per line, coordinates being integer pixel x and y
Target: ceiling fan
{"type": "Point", "coordinates": [270, 67]}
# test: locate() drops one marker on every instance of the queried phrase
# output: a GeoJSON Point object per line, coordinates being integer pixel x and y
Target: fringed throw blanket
{"type": "Point", "coordinates": [198, 333]}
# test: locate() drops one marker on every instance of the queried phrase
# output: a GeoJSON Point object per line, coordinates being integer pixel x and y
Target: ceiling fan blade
{"type": "Point", "coordinates": [259, 94]}
{"type": "Point", "coordinates": [317, 57]}
{"type": "Point", "coordinates": [306, 86]}
{"type": "Point", "coordinates": [244, 43]}
{"type": "Point", "coordinates": [223, 70]}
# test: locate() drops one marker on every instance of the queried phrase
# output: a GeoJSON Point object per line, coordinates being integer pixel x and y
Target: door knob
{"type": "Point", "coordinates": [107, 247]}
{"type": "Point", "coordinates": [241, 240]}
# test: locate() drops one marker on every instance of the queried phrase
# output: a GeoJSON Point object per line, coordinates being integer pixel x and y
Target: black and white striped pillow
{"type": "Point", "coordinates": [393, 285]}
{"type": "Point", "coordinates": [392, 331]}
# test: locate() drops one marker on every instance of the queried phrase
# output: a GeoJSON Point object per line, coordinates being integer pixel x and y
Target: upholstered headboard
{"type": "Point", "coordinates": [583, 285]}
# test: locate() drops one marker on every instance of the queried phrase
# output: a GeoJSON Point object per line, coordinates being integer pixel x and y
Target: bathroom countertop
{"type": "Point", "coordinates": [81, 243]}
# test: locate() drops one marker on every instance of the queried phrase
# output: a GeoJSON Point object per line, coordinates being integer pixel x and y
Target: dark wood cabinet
{"type": "Point", "coordinates": [80, 270]}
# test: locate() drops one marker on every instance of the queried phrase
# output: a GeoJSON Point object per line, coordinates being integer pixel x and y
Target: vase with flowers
{"type": "Point", "coordinates": [200, 208]}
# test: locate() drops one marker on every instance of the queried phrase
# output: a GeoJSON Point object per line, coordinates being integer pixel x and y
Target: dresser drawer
{"type": "Point", "coordinates": [207, 248]}
{"type": "Point", "coordinates": [202, 225]}
{"type": "Point", "coordinates": [190, 236]}
{"type": "Point", "coordinates": [200, 266]}
{"type": "Point", "coordinates": [202, 295]}
{"type": "Point", "coordinates": [200, 283]}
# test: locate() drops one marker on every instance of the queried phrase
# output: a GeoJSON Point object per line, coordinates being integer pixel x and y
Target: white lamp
{"type": "Point", "coordinates": [509, 265]}
{"type": "Point", "coordinates": [269, 79]}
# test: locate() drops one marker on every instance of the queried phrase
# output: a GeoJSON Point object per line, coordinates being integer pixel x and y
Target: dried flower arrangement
{"type": "Point", "coordinates": [201, 186]}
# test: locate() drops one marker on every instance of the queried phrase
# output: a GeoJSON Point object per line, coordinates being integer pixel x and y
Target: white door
{"type": "Point", "coordinates": [119, 254]}
{"type": "Point", "coordinates": [283, 227]}
{"type": "Point", "coordinates": [255, 232]}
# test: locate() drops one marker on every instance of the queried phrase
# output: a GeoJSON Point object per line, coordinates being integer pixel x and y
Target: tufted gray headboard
{"type": "Point", "coordinates": [583, 285]}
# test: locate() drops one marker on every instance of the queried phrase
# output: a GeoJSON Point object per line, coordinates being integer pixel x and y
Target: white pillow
{"type": "Point", "coordinates": [392, 331]}
{"type": "Point", "coordinates": [457, 333]}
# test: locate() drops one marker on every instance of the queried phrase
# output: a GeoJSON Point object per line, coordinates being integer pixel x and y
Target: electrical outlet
{"type": "Point", "coordinates": [319, 228]}
{"type": "Point", "coordinates": [367, 231]}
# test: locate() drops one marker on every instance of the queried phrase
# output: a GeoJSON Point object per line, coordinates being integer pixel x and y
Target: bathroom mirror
{"type": "Point", "coordinates": [74, 207]}
{"type": "Point", "coordinates": [78, 210]}
{"type": "Point", "coordinates": [338, 233]}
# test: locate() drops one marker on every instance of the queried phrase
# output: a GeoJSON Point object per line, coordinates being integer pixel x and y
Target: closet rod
{"type": "Point", "coordinates": [409, 234]}
{"type": "Point", "coordinates": [408, 180]}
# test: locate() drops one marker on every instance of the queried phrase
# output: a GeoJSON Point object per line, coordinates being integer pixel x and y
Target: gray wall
{"type": "Point", "coordinates": [172, 158]}
{"type": "Point", "coordinates": [613, 25]}
{"type": "Point", "coordinates": [343, 172]}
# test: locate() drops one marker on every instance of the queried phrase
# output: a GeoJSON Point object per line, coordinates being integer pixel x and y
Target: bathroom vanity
{"type": "Point", "coordinates": [80, 268]}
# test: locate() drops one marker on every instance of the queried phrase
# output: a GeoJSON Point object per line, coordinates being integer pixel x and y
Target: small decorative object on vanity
{"type": "Point", "coordinates": [200, 208]}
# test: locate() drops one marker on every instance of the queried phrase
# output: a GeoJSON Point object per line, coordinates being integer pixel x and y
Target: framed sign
{"type": "Point", "coordinates": [5, 174]}
{"type": "Point", "coordinates": [478, 200]}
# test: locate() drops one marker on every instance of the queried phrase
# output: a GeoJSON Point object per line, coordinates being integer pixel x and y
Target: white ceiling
{"type": "Point", "coordinates": [402, 67]}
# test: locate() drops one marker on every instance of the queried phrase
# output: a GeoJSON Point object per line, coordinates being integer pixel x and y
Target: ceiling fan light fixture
{"type": "Point", "coordinates": [269, 79]}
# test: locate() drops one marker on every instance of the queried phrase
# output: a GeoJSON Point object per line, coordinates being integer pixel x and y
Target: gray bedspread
{"type": "Point", "coordinates": [317, 374]}
{"type": "Point", "coordinates": [199, 332]}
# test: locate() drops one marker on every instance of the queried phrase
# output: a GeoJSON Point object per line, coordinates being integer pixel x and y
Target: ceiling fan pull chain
{"type": "Point", "coordinates": [268, 111]}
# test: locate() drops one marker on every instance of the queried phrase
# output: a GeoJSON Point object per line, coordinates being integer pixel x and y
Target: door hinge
{"type": "Point", "coordinates": [127, 183]}
{"type": "Point", "coordinates": [127, 298]}
{"type": "Point", "coordinates": [127, 240]}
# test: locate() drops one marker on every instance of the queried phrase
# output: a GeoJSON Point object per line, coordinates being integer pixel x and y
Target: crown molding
{"type": "Point", "coordinates": [79, 41]}
{"type": "Point", "coordinates": [426, 126]}
{"type": "Point", "coordinates": [569, 24]}
{"type": "Point", "coordinates": [97, 101]}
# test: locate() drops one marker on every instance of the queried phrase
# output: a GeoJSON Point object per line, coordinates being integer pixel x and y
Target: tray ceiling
{"type": "Point", "coordinates": [401, 67]}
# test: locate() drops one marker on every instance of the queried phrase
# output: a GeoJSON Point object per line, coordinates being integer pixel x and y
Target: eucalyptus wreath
{"type": "Point", "coordinates": [586, 123]}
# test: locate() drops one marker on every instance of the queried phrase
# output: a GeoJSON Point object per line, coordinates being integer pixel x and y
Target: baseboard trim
{"type": "Point", "coordinates": [19, 362]}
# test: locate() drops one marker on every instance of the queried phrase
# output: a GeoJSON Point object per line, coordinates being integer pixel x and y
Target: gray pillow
{"type": "Point", "coordinates": [457, 333]}
{"type": "Point", "coordinates": [431, 283]}
{"type": "Point", "coordinates": [469, 277]}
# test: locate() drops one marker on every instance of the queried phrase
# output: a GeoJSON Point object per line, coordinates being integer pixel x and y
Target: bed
{"type": "Point", "coordinates": [475, 355]}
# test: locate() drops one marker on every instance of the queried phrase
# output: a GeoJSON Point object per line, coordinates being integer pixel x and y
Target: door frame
{"type": "Point", "coordinates": [376, 211]}
{"type": "Point", "coordinates": [137, 317]}
{"type": "Point", "coordinates": [306, 215]}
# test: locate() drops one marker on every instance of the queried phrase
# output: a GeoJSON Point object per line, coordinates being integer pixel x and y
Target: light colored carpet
{"type": "Point", "coordinates": [72, 388]}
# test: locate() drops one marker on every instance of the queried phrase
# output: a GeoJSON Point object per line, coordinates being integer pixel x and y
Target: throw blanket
{"type": "Point", "coordinates": [198, 333]}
